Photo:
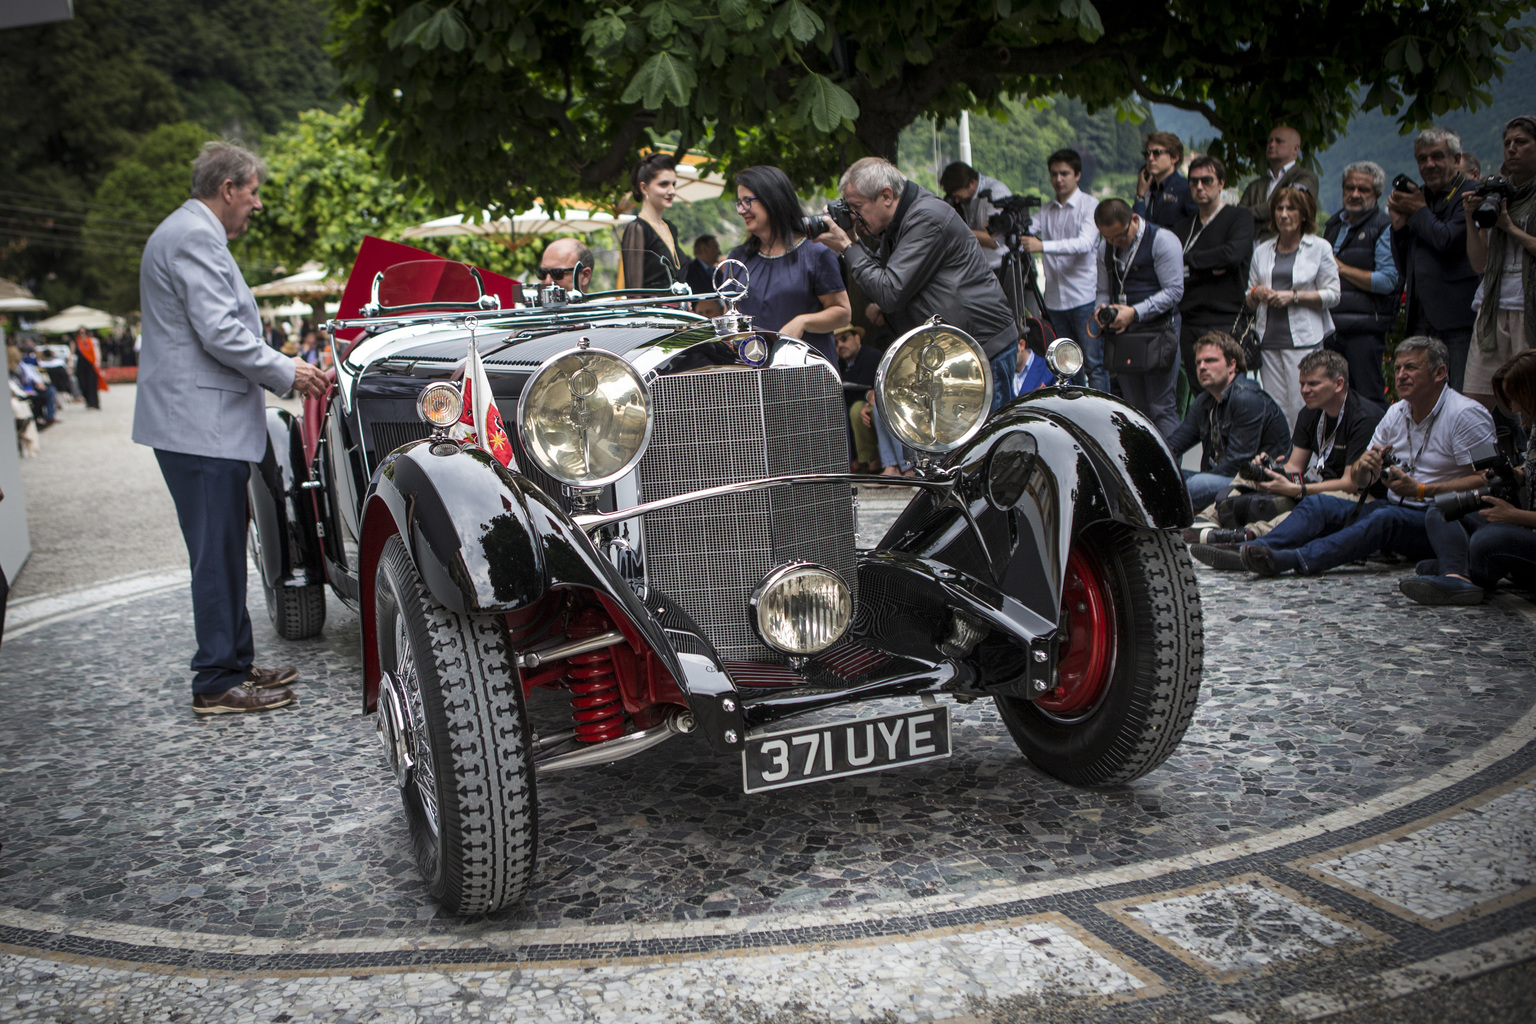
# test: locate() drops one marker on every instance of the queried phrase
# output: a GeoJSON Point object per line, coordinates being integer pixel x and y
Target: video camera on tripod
{"type": "Point", "coordinates": [1012, 220]}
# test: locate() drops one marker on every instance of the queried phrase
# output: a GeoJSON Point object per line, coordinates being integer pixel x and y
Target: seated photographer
{"type": "Point", "coordinates": [1232, 418]}
{"type": "Point", "coordinates": [917, 259]}
{"type": "Point", "coordinates": [1422, 447]}
{"type": "Point", "coordinates": [1141, 280]}
{"type": "Point", "coordinates": [1476, 549]}
{"type": "Point", "coordinates": [1333, 431]}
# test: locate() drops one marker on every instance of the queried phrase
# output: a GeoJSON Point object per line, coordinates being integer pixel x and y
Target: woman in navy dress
{"type": "Point", "coordinates": [796, 289]}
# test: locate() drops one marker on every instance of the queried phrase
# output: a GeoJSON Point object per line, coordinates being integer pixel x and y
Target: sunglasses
{"type": "Point", "coordinates": [1203, 179]}
{"type": "Point", "coordinates": [554, 272]}
{"type": "Point", "coordinates": [1153, 151]}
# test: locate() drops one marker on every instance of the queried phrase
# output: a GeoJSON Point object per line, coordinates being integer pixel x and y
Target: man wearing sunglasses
{"type": "Point", "coordinates": [1218, 243]}
{"type": "Point", "coordinates": [1162, 194]}
{"type": "Point", "coordinates": [1283, 154]}
{"type": "Point", "coordinates": [562, 258]}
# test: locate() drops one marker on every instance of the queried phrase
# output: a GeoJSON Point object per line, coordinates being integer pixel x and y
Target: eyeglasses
{"type": "Point", "coordinates": [555, 273]}
{"type": "Point", "coordinates": [1203, 179]}
{"type": "Point", "coordinates": [1153, 151]}
{"type": "Point", "coordinates": [745, 203]}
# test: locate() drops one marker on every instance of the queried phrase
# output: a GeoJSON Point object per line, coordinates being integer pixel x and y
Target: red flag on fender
{"type": "Point", "coordinates": [480, 423]}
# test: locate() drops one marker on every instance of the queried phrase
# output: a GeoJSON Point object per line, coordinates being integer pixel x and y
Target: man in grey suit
{"type": "Point", "coordinates": [202, 366]}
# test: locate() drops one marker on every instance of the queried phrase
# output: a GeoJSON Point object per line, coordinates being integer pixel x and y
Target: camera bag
{"type": "Point", "coordinates": [1150, 350]}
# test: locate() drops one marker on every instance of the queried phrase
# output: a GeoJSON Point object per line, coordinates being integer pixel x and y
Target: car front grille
{"type": "Point", "coordinates": [730, 425]}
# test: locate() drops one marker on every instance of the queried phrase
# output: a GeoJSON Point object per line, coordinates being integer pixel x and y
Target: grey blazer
{"type": "Point", "coordinates": [202, 360]}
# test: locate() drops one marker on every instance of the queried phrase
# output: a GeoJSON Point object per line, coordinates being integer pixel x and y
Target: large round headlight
{"type": "Point", "coordinates": [440, 404]}
{"type": "Point", "coordinates": [934, 388]}
{"type": "Point", "coordinates": [801, 608]}
{"type": "Point", "coordinates": [585, 417]}
{"type": "Point", "coordinates": [1064, 357]}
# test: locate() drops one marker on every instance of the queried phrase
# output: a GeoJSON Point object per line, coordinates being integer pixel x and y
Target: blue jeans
{"type": "Point", "coordinates": [1004, 366]}
{"type": "Point", "coordinates": [209, 495]}
{"type": "Point", "coordinates": [1318, 535]}
{"type": "Point", "coordinates": [1205, 488]}
{"type": "Point", "coordinates": [1073, 323]}
{"type": "Point", "coordinates": [891, 451]}
{"type": "Point", "coordinates": [1481, 551]}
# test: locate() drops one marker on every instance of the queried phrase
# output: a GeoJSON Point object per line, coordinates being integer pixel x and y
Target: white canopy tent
{"type": "Point", "coordinates": [312, 282]}
{"type": "Point", "coordinates": [78, 318]}
{"type": "Point", "coordinates": [519, 230]}
{"type": "Point", "coordinates": [16, 299]}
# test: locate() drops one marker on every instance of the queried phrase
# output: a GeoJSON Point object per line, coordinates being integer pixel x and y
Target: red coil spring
{"type": "Point", "coordinates": [595, 697]}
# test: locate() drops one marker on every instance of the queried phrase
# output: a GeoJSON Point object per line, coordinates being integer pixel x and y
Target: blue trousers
{"type": "Point", "coordinates": [1205, 488]}
{"type": "Point", "coordinates": [210, 505]}
{"type": "Point", "coordinates": [1481, 551]}
{"type": "Point", "coordinates": [1073, 323]}
{"type": "Point", "coordinates": [892, 451]}
{"type": "Point", "coordinates": [1319, 536]}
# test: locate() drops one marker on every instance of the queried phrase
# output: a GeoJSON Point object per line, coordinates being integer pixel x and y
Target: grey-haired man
{"type": "Point", "coordinates": [202, 365]}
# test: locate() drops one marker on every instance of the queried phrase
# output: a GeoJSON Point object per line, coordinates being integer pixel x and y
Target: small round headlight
{"type": "Point", "coordinates": [801, 608]}
{"type": "Point", "coordinates": [585, 417]}
{"type": "Point", "coordinates": [1064, 357]}
{"type": "Point", "coordinates": [934, 388]}
{"type": "Point", "coordinates": [440, 404]}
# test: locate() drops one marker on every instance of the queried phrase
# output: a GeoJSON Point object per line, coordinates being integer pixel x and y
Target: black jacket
{"type": "Point", "coordinates": [928, 262]}
{"type": "Point", "coordinates": [1247, 422]}
{"type": "Point", "coordinates": [1430, 251]}
{"type": "Point", "coordinates": [1218, 264]}
{"type": "Point", "coordinates": [860, 371]}
{"type": "Point", "coordinates": [1167, 202]}
{"type": "Point", "coordinates": [1360, 311]}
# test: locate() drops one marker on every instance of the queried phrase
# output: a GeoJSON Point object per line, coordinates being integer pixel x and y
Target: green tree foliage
{"type": "Point", "coordinates": [133, 198]}
{"type": "Point", "coordinates": [498, 101]}
{"type": "Point", "coordinates": [327, 191]}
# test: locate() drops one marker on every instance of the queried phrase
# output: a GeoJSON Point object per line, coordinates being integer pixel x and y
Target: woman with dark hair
{"type": "Point", "coordinates": [796, 289]}
{"type": "Point", "coordinates": [1473, 553]}
{"type": "Point", "coordinates": [648, 255]}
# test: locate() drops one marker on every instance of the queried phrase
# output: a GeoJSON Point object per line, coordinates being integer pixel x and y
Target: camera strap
{"type": "Point", "coordinates": [1123, 270]}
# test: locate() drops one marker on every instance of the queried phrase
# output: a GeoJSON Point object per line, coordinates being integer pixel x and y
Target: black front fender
{"type": "Point", "coordinates": [289, 548]}
{"type": "Point", "coordinates": [1041, 470]}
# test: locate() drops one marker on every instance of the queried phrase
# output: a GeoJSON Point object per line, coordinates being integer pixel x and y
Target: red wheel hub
{"type": "Point", "coordinates": [1086, 656]}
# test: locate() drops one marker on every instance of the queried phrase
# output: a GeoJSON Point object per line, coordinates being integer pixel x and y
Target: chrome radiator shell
{"type": "Point", "coordinates": [727, 425]}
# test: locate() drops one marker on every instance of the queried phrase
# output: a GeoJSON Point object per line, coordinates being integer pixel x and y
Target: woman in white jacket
{"type": "Point", "coordinates": [1293, 281]}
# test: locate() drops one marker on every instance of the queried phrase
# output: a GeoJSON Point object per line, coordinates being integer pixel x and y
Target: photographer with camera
{"type": "Point", "coordinates": [1141, 280]}
{"type": "Point", "coordinates": [1501, 245]}
{"type": "Point", "coordinates": [1483, 535]}
{"type": "Point", "coordinates": [974, 197]}
{"type": "Point", "coordinates": [796, 288]}
{"type": "Point", "coordinates": [1429, 245]}
{"type": "Point", "coordinates": [921, 261]}
{"type": "Point", "coordinates": [1067, 243]}
{"type": "Point", "coordinates": [1162, 194]}
{"type": "Point", "coordinates": [1232, 419]}
{"type": "Point", "coordinates": [1422, 447]}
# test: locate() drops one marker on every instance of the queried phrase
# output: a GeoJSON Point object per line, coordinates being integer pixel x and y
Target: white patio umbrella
{"type": "Point", "coordinates": [311, 283]}
{"type": "Point", "coordinates": [16, 299]}
{"type": "Point", "coordinates": [78, 318]}
{"type": "Point", "coordinates": [521, 228]}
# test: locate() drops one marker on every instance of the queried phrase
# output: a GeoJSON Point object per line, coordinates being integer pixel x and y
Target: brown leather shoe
{"type": "Point", "coordinates": [239, 700]}
{"type": "Point", "coordinates": [271, 678]}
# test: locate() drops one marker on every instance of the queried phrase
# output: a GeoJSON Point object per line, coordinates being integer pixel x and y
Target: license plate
{"type": "Point", "coordinates": [777, 760]}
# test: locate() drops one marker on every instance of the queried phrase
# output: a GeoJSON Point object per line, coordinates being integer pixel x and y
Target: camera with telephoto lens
{"type": "Point", "coordinates": [1012, 219]}
{"type": "Point", "coordinates": [840, 213]}
{"type": "Point", "coordinates": [1498, 464]}
{"type": "Point", "coordinates": [1491, 190]}
{"type": "Point", "coordinates": [1256, 471]}
{"type": "Point", "coordinates": [1403, 183]}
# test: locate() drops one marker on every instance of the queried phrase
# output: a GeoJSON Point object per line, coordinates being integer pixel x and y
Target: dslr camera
{"type": "Point", "coordinates": [1499, 466]}
{"type": "Point", "coordinates": [840, 213]}
{"type": "Point", "coordinates": [1403, 183]}
{"type": "Point", "coordinates": [1105, 315]}
{"type": "Point", "coordinates": [1256, 471]}
{"type": "Point", "coordinates": [1491, 190]}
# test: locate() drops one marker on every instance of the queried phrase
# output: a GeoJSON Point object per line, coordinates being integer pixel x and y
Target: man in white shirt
{"type": "Point", "coordinates": [1430, 433]}
{"type": "Point", "coordinates": [1282, 153]}
{"type": "Point", "coordinates": [1069, 241]}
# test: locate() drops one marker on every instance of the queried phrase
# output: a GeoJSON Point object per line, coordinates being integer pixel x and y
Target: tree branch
{"type": "Point", "coordinates": [1140, 85]}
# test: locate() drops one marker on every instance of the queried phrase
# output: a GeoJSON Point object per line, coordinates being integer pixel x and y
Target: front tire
{"type": "Point", "coordinates": [470, 798]}
{"type": "Point", "coordinates": [1129, 666]}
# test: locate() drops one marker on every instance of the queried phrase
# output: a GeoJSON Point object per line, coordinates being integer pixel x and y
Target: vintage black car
{"type": "Point", "coordinates": [672, 547]}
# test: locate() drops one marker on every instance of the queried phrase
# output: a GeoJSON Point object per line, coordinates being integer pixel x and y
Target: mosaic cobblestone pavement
{"type": "Point", "coordinates": [1353, 802]}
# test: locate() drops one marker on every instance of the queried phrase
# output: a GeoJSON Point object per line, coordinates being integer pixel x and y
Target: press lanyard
{"type": "Point", "coordinates": [1324, 446]}
{"type": "Point", "coordinates": [1130, 257]}
{"type": "Point", "coordinates": [1429, 428]}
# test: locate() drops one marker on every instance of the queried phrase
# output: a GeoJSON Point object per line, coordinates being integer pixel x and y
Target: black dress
{"type": "Point", "coordinates": [646, 260]}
